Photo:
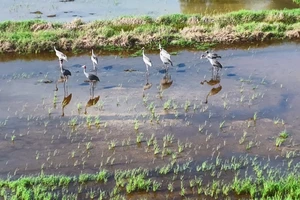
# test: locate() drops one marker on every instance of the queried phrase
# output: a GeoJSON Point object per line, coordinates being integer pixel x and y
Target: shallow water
{"type": "Point", "coordinates": [256, 80]}
{"type": "Point", "coordinates": [88, 10]}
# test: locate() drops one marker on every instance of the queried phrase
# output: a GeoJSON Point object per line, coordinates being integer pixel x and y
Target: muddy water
{"type": "Point", "coordinates": [34, 134]}
{"type": "Point", "coordinates": [88, 10]}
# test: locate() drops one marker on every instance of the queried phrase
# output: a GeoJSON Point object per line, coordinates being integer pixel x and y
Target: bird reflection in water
{"type": "Point", "coordinates": [165, 83]}
{"type": "Point", "coordinates": [67, 96]}
{"type": "Point", "coordinates": [65, 102]}
{"type": "Point", "coordinates": [91, 102]}
{"type": "Point", "coordinates": [215, 80]}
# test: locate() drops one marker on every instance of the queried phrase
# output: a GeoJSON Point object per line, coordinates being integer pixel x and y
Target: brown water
{"type": "Point", "coordinates": [90, 10]}
{"type": "Point", "coordinates": [35, 135]}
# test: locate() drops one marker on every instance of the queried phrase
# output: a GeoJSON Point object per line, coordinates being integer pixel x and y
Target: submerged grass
{"type": "Point", "coordinates": [133, 32]}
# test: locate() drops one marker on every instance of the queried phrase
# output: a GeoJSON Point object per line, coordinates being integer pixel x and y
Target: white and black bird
{"type": "Point", "coordinates": [92, 77]}
{"type": "Point", "coordinates": [61, 56]}
{"type": "Point", "coordinates": [146, 60]}
{"type": "Point", "coordinates": [65, 72]}
{"type": "Point", "coordinates": [212, 55]}
{"type": "Point", "coordinates": [213, 62]}
{"type": "Point", "coordinates": [165, 57]}
{"type": "Point", "coordinates": [94, 60]}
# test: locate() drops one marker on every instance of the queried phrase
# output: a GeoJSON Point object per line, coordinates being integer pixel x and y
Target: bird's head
{"type": "Point", "coordinates": [84, 67]}
{"type": "Point", "coordinates": [143, 48]}
{"type": "Point", "coordinates": [207, 51]}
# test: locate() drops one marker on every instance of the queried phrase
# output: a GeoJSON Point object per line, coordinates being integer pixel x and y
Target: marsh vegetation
{"type": "Point", "coordinates": [131, 33]}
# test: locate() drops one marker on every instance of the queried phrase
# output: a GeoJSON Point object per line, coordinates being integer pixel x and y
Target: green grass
{"type": "Point", "coordinates": [296, 1]}
{"type": "Point", "coordinates": [131, 33]}
{"type": "Point", "coordinates": [281, 138]}
{"type": "Point", "coordinates": [261, 183]}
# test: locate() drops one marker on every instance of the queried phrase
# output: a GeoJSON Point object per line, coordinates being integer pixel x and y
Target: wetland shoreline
{"type": "Point", "coordinates": [131, 33]}
{"type": "Point", "coordinates": [242, 144]}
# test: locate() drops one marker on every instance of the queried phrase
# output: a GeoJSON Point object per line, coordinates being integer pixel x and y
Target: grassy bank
{"type": "Point", "coordinates": [133, 32]}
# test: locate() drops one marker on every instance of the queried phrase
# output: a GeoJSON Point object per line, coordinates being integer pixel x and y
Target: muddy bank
{"type": "Point", "coordinates": [131, 33]}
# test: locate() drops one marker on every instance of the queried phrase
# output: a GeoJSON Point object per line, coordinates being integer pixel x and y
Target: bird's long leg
{"type": "Point", "coordinates": [147, 69]}
{"type": "Point", "coordinates": [66, 85]}
{"type": "Point", "coordinates": [65, 88]}
{"type": "Point", "coordinates": [167, 68]}
{"type": "Point", "coordinates": [147, 77]}
{"type": "Point", "coordinates": [93, 92]}
{"type": "Point", "coordinates": [56, 88]}
{"type": "Point", "coordinates": [94, 67]}
{"type": "Point", "coordinates": [93, 89]}
{"type": "Point", "coordinates": [90, 89]}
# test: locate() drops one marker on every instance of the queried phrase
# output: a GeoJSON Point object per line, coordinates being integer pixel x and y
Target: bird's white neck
{"type": "Point", "coordinates": [85, 73]}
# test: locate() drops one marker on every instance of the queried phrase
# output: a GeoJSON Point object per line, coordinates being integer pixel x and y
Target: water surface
{"type": "Point", "coordinates": [252, 81]}
{"type": "Point", "coordinates": [88, 10]}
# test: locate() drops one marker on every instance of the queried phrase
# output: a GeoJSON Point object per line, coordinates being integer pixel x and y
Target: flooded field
{"type": "Point", "coordinates": [190, 121]}
{"type": "Point", "coordinates": [89, 10]}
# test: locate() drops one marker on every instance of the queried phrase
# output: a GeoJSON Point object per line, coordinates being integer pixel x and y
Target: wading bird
{"type": "Point", "coordinates": [212, 55]}
{"type": "Point", "coordinates": [94, 60]}
{"type": "Point", "coordinates": [216, 64]}
{"type": "Point", "coordinates": [147, 61]}
{"type": "Point", "coordinates": [92, 79]}
{"type": "Point", "coordinates": [64, 78]}
{"type": "Point", "coordinates": [66, 73]}
{"type": "Point", "coordinates": [165, 57]}
{"type": "Point", "coordinates": [61, 56]}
